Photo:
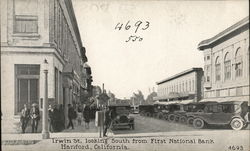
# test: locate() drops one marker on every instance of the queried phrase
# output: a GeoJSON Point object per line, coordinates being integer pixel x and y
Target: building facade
{"type": "Point", "coordinates": [31, 32]}
{"type": "Point", "coordinates": [226, 63]}
{"type": "Point", "coordinates": [184, 86]}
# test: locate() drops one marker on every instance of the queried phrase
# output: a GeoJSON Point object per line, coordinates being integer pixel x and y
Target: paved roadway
{"type": "Point", "coordinates": [151, 125]}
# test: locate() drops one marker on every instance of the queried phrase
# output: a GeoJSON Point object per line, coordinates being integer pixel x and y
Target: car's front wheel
{"type": "Point", "coordinates": [237, 124]}
{"type": "Point", "coordinates": [198, 123]}
{"type": "Point", "coordinates": [171, 118]}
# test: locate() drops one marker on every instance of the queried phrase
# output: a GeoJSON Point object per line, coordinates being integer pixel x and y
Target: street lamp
{"type": "Point", "coordinates": [45, 132]}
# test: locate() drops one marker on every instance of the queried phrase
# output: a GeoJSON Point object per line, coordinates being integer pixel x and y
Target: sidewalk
{"type": "Point", "coordinates": [78, 131]}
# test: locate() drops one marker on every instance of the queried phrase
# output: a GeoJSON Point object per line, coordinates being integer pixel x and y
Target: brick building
{"type": "Point", "coordinates": [226, 63]}
{"type": "Point", "coordinates": [32, 31]}
{"type": "Point", "coordinates": [185, 86]}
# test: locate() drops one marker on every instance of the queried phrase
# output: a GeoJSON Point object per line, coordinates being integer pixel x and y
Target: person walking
{"type": "Point", "coordinates": [24, 117]}
{"type": "Point", "coordinates": [61, 117]}
{"type": "Point", "coordinates": [79, 115]}
{"type": "Point", "coordinates": [107, 121]}
{"type": "Point", "coordinates": [35, 117]}
{"type": "Point", "coordinates": [86, 115]}
{"type": "Point", "coordinates": [70, 116]}
{"type": "Point", "coordinates": [51, 119]}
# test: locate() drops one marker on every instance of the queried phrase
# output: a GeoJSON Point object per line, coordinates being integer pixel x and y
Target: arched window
{"type": "Point", "coordinates": [238, 63]}
{"type": "Point", "coordinates": [217, 69]}
{"type": "Point", "coordinates": [227, 67]}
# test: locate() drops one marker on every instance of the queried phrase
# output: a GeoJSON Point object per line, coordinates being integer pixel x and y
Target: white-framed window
{"type": "Point", "coordinates": [217, 69]}
{"type": "Point", "coordinates": [25, 16]}
{"type": "Point", "coordinates": [238, 63]}
{"type": "Point", "coordinates": [27, 85]}
{"type": "Point", "coordinates": [227, 67]}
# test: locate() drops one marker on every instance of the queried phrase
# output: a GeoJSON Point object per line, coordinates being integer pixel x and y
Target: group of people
{"type": "Point", "coordinates": [56, 118]}
{"type": "Point", "coordinates": [79, 113]}
{"type": "Point", "coordinates": [32, 115]}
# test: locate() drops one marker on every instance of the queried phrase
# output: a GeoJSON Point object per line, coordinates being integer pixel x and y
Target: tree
{"type": "Point", "coordinates": [150, 98]}
{"type": "Point", "coordinates": [138, 98]}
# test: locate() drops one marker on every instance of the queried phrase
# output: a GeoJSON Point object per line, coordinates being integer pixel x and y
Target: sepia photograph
{"type": "Point", "coordinates": [132, 75]}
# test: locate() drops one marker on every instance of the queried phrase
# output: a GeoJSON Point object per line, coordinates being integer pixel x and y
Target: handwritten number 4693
{"type": "Point", "coordinates": [143, 25]}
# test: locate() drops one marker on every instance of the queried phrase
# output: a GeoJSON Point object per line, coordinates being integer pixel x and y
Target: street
{"type": "Point", "coordinates": [150, 125]}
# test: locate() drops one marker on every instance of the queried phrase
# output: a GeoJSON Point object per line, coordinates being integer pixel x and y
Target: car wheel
{"type": "Point", "coordinates": [198, 123]}
{"type": "Point", "coordinates": [190, 121]}
{"type": "Point", "coordinates": [237, 124]}
{"type": "Point", "coordinates": [171, 118]}
{"type": "Point", "coordinates": [183, 119]}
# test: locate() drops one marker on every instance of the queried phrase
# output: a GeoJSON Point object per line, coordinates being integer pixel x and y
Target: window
{"type": "Point", "coordinates": [238, 63]}
{"type": "Point", "coordinates": [217, 69]}
{"type": "Point", "coordinates": [186, 86]}
{"type": "Point", "coordinates": [190, 85]}
{"type": "Point", "coordinates": [227, 67]}
{"type": "Point", "coordinates": [27, 85]}
{"type": "Point", "coordinates": [25, 18]}
{"type": "Point", "coordinates": [207, 72]}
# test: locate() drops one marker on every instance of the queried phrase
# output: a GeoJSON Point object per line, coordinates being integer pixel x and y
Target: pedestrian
{"type": "Point", "coordinates": [24, 117]}
{"type": "Point", "coordinates": [107, 121]}
{"type": "Point", "coordinates": [35, 117]}
{"type": "Point", "coordinates": [79, 115]}
{"type": "Point", "coordinates": [86, 115]}
{"type": "Point", "coordinates": [51, 118]}
{"type": "Point", "coordinates": [70, 116]}
{"type": "Point", "coordinates": [61, 117]}
{"type": "Point", "coordinates": [56, 117]}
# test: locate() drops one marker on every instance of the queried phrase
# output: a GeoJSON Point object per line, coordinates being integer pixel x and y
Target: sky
{"type": "Point", "coordinates": [167, 41]}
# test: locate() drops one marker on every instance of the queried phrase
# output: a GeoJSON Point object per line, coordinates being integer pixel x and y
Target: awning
{"type": "Point", "coordinates": [174, 102]}
{"type": "Point", "coordinates": [173, 95]}
{"type": "Point", "coordinates": [225, 99]}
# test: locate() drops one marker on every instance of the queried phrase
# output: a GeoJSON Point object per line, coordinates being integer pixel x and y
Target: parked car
{"type": "Point", "coordinates": [121, 117]}
{"type": "Point", "coordinates": [192, 108]}
{"type": "Point", "coordinates": [233, 113]}
{"type": "Point", "coordinates": [146, 110]}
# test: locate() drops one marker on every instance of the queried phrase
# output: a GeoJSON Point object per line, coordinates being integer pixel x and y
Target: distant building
{"type": "Point", "coordinates": [226, 63]}
{"type": "Point", "coordinates": [32, 31]}
{"type": "Point", "coordinates": [184, 86]}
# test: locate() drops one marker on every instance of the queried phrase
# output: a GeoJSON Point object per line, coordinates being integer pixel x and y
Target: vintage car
{"type": "Point", "coordinates": [233, 113]}
{"type": "Point", "coordinates": [146, 110]}
{"type": "Point", "coordinates": [192, 108]}
{"type": "Point", "coordinates": [121, 117]}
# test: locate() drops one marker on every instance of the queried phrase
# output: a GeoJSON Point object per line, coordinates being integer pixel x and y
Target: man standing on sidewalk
{"type": "Point", "coordinates": [35, 117]}
{"type": "Point", "coordinates": [24, 117]}
{"type": "Point", "coordinates": [70, 116]}
{"type": "Point", "coordinates": [107, 121]}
